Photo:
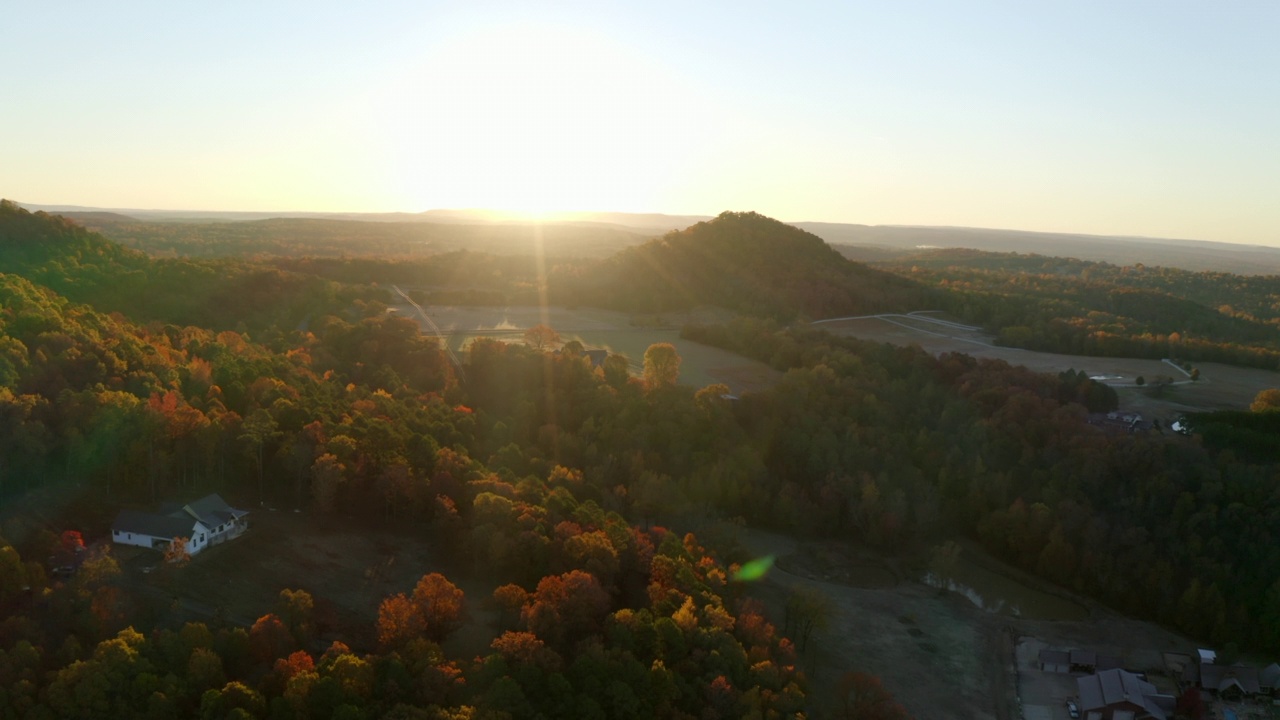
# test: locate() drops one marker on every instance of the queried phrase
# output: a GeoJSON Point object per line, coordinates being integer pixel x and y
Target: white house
{"type": "Point", "coordinates": [204, 522]}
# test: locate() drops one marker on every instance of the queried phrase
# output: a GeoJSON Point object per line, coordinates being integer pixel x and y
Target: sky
{"type": "Point", "coordinates": [1121, 117]}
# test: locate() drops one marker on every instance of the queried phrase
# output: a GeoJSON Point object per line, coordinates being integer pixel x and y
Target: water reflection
{"type": "Point", "coordinates": [952, 569]}
{"type": "Point", "coordinates": [996, 605]}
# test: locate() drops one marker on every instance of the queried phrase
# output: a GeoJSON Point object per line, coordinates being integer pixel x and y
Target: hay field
{"type": "Point", "coordinates": [616, 332]}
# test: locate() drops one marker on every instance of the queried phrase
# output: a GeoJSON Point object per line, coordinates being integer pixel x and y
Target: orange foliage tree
{"type": "Point", "coordinates": [399, 621]}
{"type": "Point", "coordinates": [440, 604]}
{"type": "Point", "coordinates": [862, 697]}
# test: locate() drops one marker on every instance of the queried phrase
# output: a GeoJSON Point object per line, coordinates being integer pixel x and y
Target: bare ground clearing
{"type": "Point", "coordinates": [1221, 387]}
{"type": "Point", "coordinates": [347, 567]}
{"type": "Point", "coordinates": [938, 653]}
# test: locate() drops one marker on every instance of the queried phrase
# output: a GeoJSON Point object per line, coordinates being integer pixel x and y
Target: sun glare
{"type": "Point", "coordinates": [532, 122]}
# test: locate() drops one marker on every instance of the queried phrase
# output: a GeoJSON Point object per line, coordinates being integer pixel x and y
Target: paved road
{"type": "Point", "coordinates": [435, 330]}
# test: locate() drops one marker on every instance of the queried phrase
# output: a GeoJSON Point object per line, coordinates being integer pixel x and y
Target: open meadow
{"type": "Point", "coordinates": [628, 335]}
{"type": "Point", "coordinates": [1220, 387]}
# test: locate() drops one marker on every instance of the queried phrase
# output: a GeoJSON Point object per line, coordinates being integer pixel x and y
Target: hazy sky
{"type": "Point", "coordinates": [1145, 118]}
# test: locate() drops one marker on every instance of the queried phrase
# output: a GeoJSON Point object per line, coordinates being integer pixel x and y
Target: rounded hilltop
{"type": "Point", "coordinates": [743, 261]}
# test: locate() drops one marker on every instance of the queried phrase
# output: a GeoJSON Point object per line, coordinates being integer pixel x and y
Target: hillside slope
{"type": "Point", "coordinates": [85, 267]}
{"type": "Point", "coordinates": [745, 262]}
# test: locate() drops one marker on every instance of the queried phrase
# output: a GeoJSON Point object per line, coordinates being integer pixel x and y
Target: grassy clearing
{"type": "Point", "coordinates": [1221, 387]}
{"type": "Point", "coordinates": [619, 333]}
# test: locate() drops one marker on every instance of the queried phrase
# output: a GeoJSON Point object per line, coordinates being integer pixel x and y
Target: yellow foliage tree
{"type": "Point", "coordinates": [1266, 401]}
{"type": "Point", "coordinates": [661, 365]}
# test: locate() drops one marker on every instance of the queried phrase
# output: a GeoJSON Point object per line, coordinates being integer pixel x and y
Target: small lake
{"type": "Point", "coordinates": [995, 592]}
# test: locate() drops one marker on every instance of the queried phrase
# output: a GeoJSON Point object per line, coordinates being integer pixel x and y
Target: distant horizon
{"type": "Point", "coordinates": [1143, 119]}
{"type": "Point", "coordinates": [560, 216]}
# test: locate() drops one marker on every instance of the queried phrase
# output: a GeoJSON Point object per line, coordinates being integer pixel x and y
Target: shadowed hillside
{"type": "Point", "coordinates": [745, 262]}
{"type": "Point", "coordinates": [87, 268]}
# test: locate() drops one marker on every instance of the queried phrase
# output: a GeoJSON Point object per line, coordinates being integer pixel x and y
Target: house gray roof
{"type": "Point", "coordinates": [1113, 687]}
{"type": "Point", "coordinates": [211, 510]}
{"type": "Point", "coordinates": [1223, 677]}
{"type": "Point", "coordinates": [1083, 657]}
{"type": "Point", "coordinates": [1269, 676]}
{"type": "Point", "coordinates": [161, 526]}
{"type": "Point", "coordinates": [1108, 662]}
{"type": "Point", "coordinates": [1054, 657]}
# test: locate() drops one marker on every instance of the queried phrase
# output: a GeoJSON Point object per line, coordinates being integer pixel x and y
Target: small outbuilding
{"type": "Point", "coordinates": [1055, 661]}
{"type": "Point", "coordinates": [1084, 661]}
{"type": "Point", "coordinates": [1269, 679]}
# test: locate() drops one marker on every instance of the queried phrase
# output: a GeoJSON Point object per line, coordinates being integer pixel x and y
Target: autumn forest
{"type": "Point", "coordinates": [595, 500]}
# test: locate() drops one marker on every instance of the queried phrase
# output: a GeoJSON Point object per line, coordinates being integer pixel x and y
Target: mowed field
{"type": "Point", "coordinates": [701, 365]}
{"type": "Point", "coordinates": [1220, 387]}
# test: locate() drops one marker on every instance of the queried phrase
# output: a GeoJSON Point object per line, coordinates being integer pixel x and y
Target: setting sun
{"type": "Point", "coordinates": [533, 120]}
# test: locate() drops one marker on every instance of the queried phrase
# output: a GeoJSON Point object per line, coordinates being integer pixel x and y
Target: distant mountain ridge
{"type": "Point", "coordinates": [630, 221]}
{"type": "Point", "coordinates": [889, 240]}
{"type": "Point", "coordinates": [864, 243]}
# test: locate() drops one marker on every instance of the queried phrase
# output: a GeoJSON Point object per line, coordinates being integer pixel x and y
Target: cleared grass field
{"type": "Point", "coordinates": [616, 332]}
{"type": "Point", "coordinates": [1221, 387]}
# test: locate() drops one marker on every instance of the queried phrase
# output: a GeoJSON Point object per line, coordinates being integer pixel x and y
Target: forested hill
{"type": "Point", "coordinates": [85, 267]}
{"type": "Point", "coordinates": [1094, 308]}
{"type": "Point", "coordinates": [54, 251]}
{"type": "Point", "coordinates": [743, 261]}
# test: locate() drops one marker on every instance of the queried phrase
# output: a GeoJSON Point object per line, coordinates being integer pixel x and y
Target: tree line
{"type": "Point", "coordinates": [1091, 308]}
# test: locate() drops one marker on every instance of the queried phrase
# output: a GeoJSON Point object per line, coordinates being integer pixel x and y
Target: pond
{"type": "Point", "coordinates": [953, 569]}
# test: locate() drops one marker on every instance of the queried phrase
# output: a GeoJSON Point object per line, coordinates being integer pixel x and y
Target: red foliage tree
{"type": "Point", "coordinates": [297, 663]}
{"type": "Point", "coordinates": [566, 608]}
{"type": "Point", "coordinates": [1191, 704]}
{"type": "Point", "coordinates": [862, 697]}
{"type": "Point", "coordinates": [269, 639]}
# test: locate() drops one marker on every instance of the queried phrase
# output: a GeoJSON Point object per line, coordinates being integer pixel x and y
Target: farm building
{"type": "Point", "coordinates": [1269, 679]}
{"type": "Point", "coordinates": [1055, 661]}
{"type": "Point", "coordinates": [1230, 681]}
{"type": "Point", "coordinates": [1119, 695]}
{"type": "Point", "coordinates": [204, 522]}
{"type": "Point", "coordinates": [1068, 661]}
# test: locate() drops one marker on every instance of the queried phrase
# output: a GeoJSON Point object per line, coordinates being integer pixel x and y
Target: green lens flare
{"type": "Point", "coordinates": [754, 570]}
